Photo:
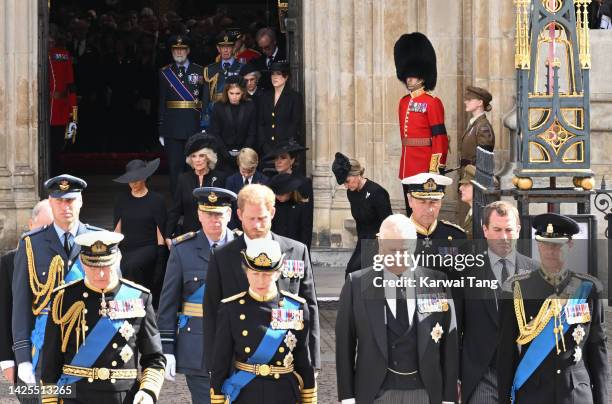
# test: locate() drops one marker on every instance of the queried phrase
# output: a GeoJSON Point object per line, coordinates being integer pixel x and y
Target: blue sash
{"type": "Point", "coordinates": [196, 297]}
{"type": "Point", "coordinates": [541, 346]}
{"type": "Point", "coordinates": [263, 355]}
{"type": "Point", "coordinates": [99, 338]}
{"type": "Point", "coordinates": [176, 84]}
{"type": "Point", "coordinates": [37, 337]}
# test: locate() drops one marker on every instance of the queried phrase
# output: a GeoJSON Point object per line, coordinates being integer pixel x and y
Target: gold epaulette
{"type": "Point", "coordinates": [232, 298]}
{"type": "Point", "coordinates": [456, 226]}
{"type": "Point", "coordinates": [293, 296]}
{"type": "Point", "coordinates": [42, 291]}
{"type": "Point", "coordinates": [309, 396]}
{"type": "Point", "coordinates": [216, 398]}
{"type": "Point", "coordinates": [65, 285]}
{"type": "Point", "coordinates": [152, 380]}
{"type": "Point", "coordinates": [135, 285]}
{"type": "Point", "coordinates": [73, 317]}
{"type": "Point", "coordinates": [183, 237]}
{"type": "Point", "coordinates": [507, 285]}
{"type": "Point", "coordinates": [34, 231]}
{"type": "Point", "coordinates": [587, 277]}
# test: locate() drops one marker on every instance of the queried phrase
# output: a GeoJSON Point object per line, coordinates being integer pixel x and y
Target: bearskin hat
{"type": "Point", "coordinates": [415, 57]}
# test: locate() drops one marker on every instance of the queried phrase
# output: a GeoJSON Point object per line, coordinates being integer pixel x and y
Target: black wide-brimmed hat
{"type": "Point", "coordinates": [284, 183]}
{"type": "Point", "coordinates": [200, 141]}
{"type": "Point", "coordinates": [248, 69]}
{"type": "Point", "coordinates": [285, 146]}
{"type": "Point", "coordinates": [415, 57]}
{"type": "Point", "coordinates": [138, 170]}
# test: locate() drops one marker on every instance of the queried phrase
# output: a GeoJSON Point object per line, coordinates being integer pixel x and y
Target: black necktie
{"type": "Point", "coordinates": [215, 245]}
{"type": "Point", "coordinates": [181, 71]}
{"type": "Point", "coordinates": [246, 181]}
{"type": "Point", "coordinates": [401, 309]}
{"type": "Point", "coordinates": [226, 66]}
{"type": "Point", "coordinates": [67, 243]}
{"type": "Point", "coordinates": [268, 62]}
{"type": "Point", "coordinates": [504, 273]}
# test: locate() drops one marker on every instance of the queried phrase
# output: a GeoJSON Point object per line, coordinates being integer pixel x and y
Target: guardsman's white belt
{"type": "Point", "coordinates": [99, 373]}
{"type": "Point", "coordinates": [184, 104]}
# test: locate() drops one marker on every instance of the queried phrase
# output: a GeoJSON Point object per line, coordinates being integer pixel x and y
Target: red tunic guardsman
{"type": "Point", "coordinates": [62, 95]}
{"type": "Point", "coordinates": [421, 115]}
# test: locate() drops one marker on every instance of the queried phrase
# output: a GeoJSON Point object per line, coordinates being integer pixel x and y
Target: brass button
{"type": "Point", "coordinates": [247, 349]}
{"type": "Point", "coordinates": [281, 303]}
{"type": "Point", "coordinates": [84, 311]}
{"type": "Point", "coordinates": [245, 333]}
{"type": "Point", "coordinates": [273, 126]}
{"type": "Point", "coordinates": [242, 316]}
{"type": "Point", "coordinates": [85, 294]}
{"type": "Point", "coordinates": [85, 328]}
{"type": "Point", "coordinates": [281, 349]}
{"type": "Point", "coordinates": [69, 263]}
{"type": "Point", "coordinates": [558, 371]}
{"type": "Point", "coordinates": [272, 137]}
{"type": "Point", "coordinates": [273, 114]}
{"type": "Point", "coordinates": [115, 345]}
{"type": "Point", "coordinates": [241, 301]}
{"type": "Point", "coordinates": [276, 376]}
{"type": "Point", "coordinates": [279, 363]}
{"type": "Point", "coordinates": [44, 273]}
{"type": "Point", "coordinates": [114, 363]}
{"type": "Point", "coordinates": [113, 380]}
{"type": "Point", "coordinates": [90, 379]}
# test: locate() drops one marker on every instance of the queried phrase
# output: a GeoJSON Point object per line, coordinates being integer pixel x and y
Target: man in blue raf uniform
{"type": "Point", "coordinates": [261, 349]}
{"type": "Point", "coordinates": [46, 258]}
{"type": "Point", "coordinates": [184, 290]}
{"type": "Point", "coordinates": [180, 108]}
{"type": "Point", "coordinates": [556, 317]}
{"type": "Point", "coordinates": [98, 327]}
{"type": "Point", "coordinates": [216, 73]}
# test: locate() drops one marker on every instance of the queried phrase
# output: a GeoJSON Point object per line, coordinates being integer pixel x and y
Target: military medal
{"type": "Point", "coordinates": [577, 354]}
{"type": "Point", "coordinates": [293, 269]}
{"type": "Point", "coordinates": [290, 340]}
{"type": "Point", "coordinates": [284, 319]}
{"type": "Point", "coordinates": [578, 334]}
{"type": "Point", "coordinates": [436, 332]}
{"type": "Point", "coordinates": [126, 330]}
{"type": "Point", "coordinates": [103, 310]}
{"type": "Point", "coordinates": [288, 360]}
{"type": "Point", "coordinates": [577, 313]}
{"type": "Point", "coordinates": [432, 304]}
{"type": "Point", "coordinates": [130, 308]}
{"type": "Point", "coordinates": [126, 353]}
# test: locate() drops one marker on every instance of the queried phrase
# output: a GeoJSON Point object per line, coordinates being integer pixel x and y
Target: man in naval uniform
{"type": "Point", "coordinates": [180, 105]}
{"type": "Point", "coordinates": [101, 328]}
{"type": "Point", "coordinates": [552, 344]}
{"type": "Point", "coordinates": [184, 290]}
{"type": "Point", "coordinates": [396, 342]}
{"type": "Point", "coordinates": [45, 259]}
{"type": "Point", "coordinates": [216, 73]}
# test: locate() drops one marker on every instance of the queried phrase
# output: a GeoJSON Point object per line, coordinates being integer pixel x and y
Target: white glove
{"type": "Point", "coordinates": [142, 397]}
{"type": "Point", "coordinates": [170, 367]}
{"type": "Point", "coordinates": [161, 140]}
{"type": "Point", "coordinates": [349, 401]}
{"type": "Point", "coordinates": [26, 373]}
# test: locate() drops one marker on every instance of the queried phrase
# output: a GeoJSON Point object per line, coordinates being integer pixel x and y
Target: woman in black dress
{"type": "Point", "coordinates": [140, 215]}
{"type": "Point", "coordinates": [293, 217]}
{"type": "Point", "coordinates": [201, 155]}
{"type": "Point", "coordinates": [234, 121]}
{"type": "Point", "coordinates": [370, 205]}
{"type": "Point", "coordinates": [281, 111]}
{"type": "Point", "coordinates": [284, 155]}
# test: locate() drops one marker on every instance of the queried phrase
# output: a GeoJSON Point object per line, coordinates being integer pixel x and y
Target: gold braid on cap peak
{"type": "Point", "coordinates": [262, 260]}
{"type": "Point", "coordinates": [54, 278]}
{"type": "Point", "coordinates": [74, 316]}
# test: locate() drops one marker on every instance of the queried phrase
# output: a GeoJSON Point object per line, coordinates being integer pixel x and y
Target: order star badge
{"type": "Point", "coordinates": [126, 330]}
{"type": "Point", "coordinates": [436, 333]}
{"type": "Point", "coordinates": [290, 341]}
{"type": "Point", "coordinates": [577, 354]}
{"type": "Point", "coordinates": [126, 353]}
{"type": "Point", "coordinates": [288, 360]}
{"type": "Point", "coordinates": [578, 334]}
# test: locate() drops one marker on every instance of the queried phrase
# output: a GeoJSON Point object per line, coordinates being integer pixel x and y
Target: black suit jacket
{"type": "Point", "coordinates": [481, 325]}
{"type": "Point", "coordinates": [6, 306]}
{"type": "Point", "coordinates": [281, 121]}
{"type": "Point", "coordinates": [234, 133]}
{"type": "Point", "coordinates": [226, 278]}
{"type": "Point", "coordinates": [361, 341]}
{"type": "Point", "coordinates": [185, 205]}
{"type": "Point", "coordinates": [235, 183]}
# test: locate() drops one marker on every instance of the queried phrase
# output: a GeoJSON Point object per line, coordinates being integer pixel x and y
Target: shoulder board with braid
{"type": "Point", "coordinates": [34, 231]}
{"type": "Point", "coordinates": [232, 298]}
{"type": "Point", "coordinates": [507, 286]}
{"type": "Point", "coordinates": [65, 285]}
{"type": "Point", "coordinates": [183, 237]}
{"type": "Point", "coordinates": [587, 277]}
{"type": "Point", "coordinates": [456, 226]}
{"type": "Point", "coordinates": [135, 285]}
{"type": "Point", "coordinates": [293, 296]}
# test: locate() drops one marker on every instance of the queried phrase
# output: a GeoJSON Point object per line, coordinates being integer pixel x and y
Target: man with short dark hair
{"type": "Point", "coordinates": [481, 321]}
{"type": "Point", "coordinates": [266, 40]}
